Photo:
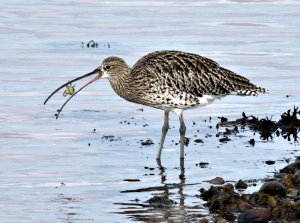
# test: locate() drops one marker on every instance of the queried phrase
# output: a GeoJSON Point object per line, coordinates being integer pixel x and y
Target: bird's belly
{"type": "Point", "coordinates": [207, 99]}
{"type": "Point", "coordinates": [170, 102]}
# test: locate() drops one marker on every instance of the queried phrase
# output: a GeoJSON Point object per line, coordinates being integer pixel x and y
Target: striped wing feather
{"type": "Point", "coordinates": [190, 73]}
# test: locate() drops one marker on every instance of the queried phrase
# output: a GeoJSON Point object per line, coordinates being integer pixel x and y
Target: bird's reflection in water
{"type": "Point", "coordinates": [68, 210]}
{"type": "Point", "coordinates": [167, 204]}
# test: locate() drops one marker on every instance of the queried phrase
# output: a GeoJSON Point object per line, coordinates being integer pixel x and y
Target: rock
{"type": "Point", "coordinates": [210, 193]}
{"type": "Point", "coordinates": [224, 201]}
{"type": "Point", "coordinates": [224, 139]}
{"type": "Point", "coordinates": [132, 180]}
{"type": "Point", "coordinates": [202, 164]}
{"type": "Point", "coordinates": [263, 200]}
{"type": "Point", "coordinates": [273, 188]}
{"type": "Point", "coordinates": [287, 212]}
{"type": "Point", "coordinates": [292, 168]}
{"type": "Point", "coordinates": [252, 142]}
{"type": "Point", "coordinates": [289, 168]}
{"type": "Point", "coordinates": [292, 192]}
{"type": "Point", "coordinates": [228, 188]}
{"type": "Point", "coordinates": [296, 177]}
{"type": "Point", "coordinates": [297, 162]}
{"type": "Point", "coordinates": [220, 220]}
{"type": "Point", "coordinates": [203, 220]}
{"type": "Point", "coordinates": [288, 180]}
{"type": "Point", "coordinates": [223, 119]}
{"type": "Point", "coordinates": [148, 142]}
{"type": "Point", "coordinates": [161, 201]}
{"type": "Point", "coordinates": [198, 141]}
{"type": "Point", "coordinates": [256, 215]}
{"type": "Point", "coordinates": [216, 180]}
{"type": "Point", "coordinates": [270, 162]}
{"type": "Point", "coordinates": [241, 185]}
{"type": "Point", "coordinates": [297, 198]}
{"type": "Point", "coordinates": [244, 205]}
{"type": "Point", "coordinates": [228, 216]}
{"type": "Point", "coordinates": [108, 137]}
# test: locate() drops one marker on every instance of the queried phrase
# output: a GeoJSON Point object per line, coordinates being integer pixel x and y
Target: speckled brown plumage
{"type": "Point", "coordinates": [174, 79]}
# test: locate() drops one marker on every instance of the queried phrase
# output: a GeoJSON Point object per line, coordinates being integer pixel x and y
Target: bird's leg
{"type": "Point", "coordinates": [165, 129]}
{"type": "Point", "coordinates": [182, 139]}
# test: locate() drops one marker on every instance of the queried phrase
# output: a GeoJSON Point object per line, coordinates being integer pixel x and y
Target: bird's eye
{"type": "Point", "coordinates": [107, 67]}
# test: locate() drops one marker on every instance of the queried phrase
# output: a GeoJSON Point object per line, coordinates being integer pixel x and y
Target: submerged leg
{"type": "Point", "coordinates": [165, 129]}
{"type": "Point", "coordinates": [182, 139]}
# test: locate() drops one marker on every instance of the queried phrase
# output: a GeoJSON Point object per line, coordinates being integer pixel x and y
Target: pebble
{"type": "Point", "coordinates": [108, 137]}
{"type": "Point", "coordinates": [148, 142]}
{"type": "Point", "coordinates": [241, 185]}
{"type": "Point", "coordinates": [228, 187]}
{"type": "Point", "coordinates": [216, 180]}
{"type": "Point", "coordinates": [161, 201]}
{"type": "Point", "coordinates": [202, 164]}
{"type": "Point", "coordinates": [224, 139]}
{"type": "Point", "coordinates": [132, 180]}
{"type": "Point", "coordinates": [223, 119]}
{"type": "Point", "coordinates": [198, 141]}
{"type": "Point", "coordinates": [270, 162]}
{"type": "Point", "coordinates": [252, 142]}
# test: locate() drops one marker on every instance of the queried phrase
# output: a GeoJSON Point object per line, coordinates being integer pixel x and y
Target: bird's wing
{"type": "Point", "coordinates": [192, 74]}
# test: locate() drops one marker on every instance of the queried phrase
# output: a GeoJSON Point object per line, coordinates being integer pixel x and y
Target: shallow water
{"type": "Point", "coordinates": [64, 171]}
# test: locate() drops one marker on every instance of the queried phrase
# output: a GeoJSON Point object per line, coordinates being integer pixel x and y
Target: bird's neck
{"type": "Point", "coordinates": [122, 85]}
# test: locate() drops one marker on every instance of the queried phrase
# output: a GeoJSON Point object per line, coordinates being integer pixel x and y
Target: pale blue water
{"type": "Point", "coordinates": [41, 49]}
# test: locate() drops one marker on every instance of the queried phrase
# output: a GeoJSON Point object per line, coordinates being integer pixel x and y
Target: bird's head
{"type": "Point", "coordinates": [111, 68]}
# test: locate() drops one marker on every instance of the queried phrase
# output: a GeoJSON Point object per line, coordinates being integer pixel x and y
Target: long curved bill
{"type": "Point", "coordinates": [98, 76]}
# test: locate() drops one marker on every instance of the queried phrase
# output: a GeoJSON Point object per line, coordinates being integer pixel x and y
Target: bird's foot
{"type": "Point", "coordinates": [158, 161]}
{"type": "Point", "coordinates": [182, 170]}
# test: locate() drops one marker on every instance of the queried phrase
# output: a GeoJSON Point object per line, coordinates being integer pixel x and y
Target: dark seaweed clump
{"type": "Point", "coordinates": [288, 125]}
{"type": "Point", "coordinates": [94, 44]}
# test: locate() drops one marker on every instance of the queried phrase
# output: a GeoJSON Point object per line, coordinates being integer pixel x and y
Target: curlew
{"type": "Point", "coordinates": [169, 80]}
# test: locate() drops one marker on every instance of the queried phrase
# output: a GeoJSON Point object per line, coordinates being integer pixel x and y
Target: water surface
{"type": "Point", "coordinates": [64, 171]}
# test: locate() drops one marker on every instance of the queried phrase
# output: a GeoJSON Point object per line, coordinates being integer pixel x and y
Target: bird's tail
{"type": "Point", "coordinates": [252, 91]}
{"type": "Point", "coordinates": [240, 85]}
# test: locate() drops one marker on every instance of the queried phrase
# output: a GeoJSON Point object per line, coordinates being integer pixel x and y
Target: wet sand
{"type": "Point", "coordinates": [64, 171]}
